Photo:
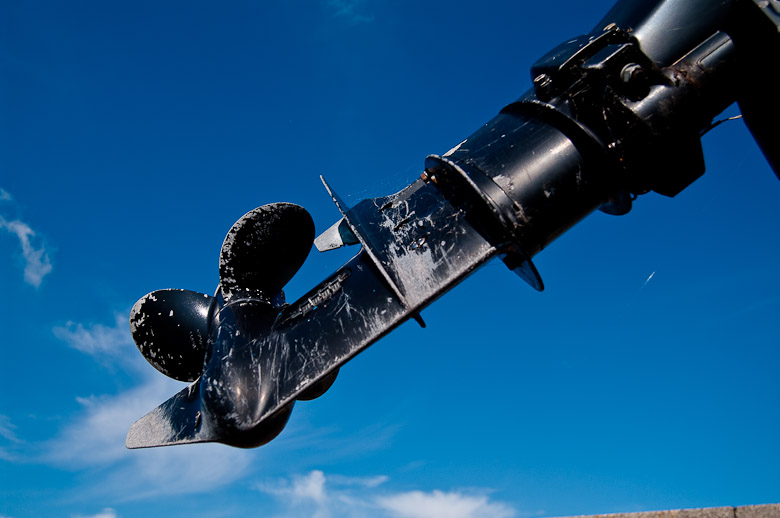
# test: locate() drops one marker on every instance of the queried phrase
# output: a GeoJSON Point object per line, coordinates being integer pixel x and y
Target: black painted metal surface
{"type": "Point", "coordinates": [263, 356]}
{"type": "Point", "coordinates": [612, 115]}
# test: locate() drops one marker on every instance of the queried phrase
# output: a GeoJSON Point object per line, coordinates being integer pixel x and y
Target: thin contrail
{"type": "Point", "coordinates": [648, 280]}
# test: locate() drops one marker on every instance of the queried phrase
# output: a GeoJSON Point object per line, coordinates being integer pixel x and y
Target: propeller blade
{"type": "Point", "coordinates": [177, 421]}
{"type": "Point", "coordinates": [181, 420]}
{"type": "Point", "coordinates": [265, 248]}
{"type": "Point", "coordinates": [170, 328]}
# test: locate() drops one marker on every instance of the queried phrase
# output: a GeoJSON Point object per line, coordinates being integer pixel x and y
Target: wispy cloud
{"type": "Point", "coordinates": [755, 305]}
{"type": "Point", "coordinates": [36, 258]}
{"type": "Point", "coordinates": [351, 11]}
{"type": "Point", "coordinates": [9, 441]}
{"type": "Point", "coordinates": [311, 495]}
{"type": "Point", "coordinates": [300, 491]}
{"type": "Point", "coordinates": [333, 442]}
{"type": "Point", "coordinates": [104, 343]}
{"type": "Point", "coordinates": [440, 504]}
{"type": "Point", "coordinates": [321, 496]}
{"type": "Point", "coordinates": [368, 482]}
{"type": "Point", "coordinates": [93, 442]}
{"type": "Point", "coordinates": [105, 513]}
{"type": "Point", "coordinates": [7, 429]}
{"type": "Point", "coordinates": [37, 263]}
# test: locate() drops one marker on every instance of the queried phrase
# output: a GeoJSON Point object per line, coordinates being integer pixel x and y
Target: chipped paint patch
{"type": "Point", "coordinates": [453, 150]}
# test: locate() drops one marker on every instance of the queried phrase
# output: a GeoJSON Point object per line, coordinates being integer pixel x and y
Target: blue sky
{"type": "Point", "coordinates": [133, 135]}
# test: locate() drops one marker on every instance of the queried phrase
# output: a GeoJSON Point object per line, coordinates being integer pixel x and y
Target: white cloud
{"type": "Point", "coordinates": [348, 10]}
{"type": "Point", "coordinates": [307, 495]}
{"type": "Point", "coordinates": [321, 496]}
{"type": "Point", "coordinates": [9, 438]}
{"type": "Point", "coordinates": [311, 487]}
{"type": "Point", "coordinates": [5, 195]}
{"type": "Point", "coordinates": [102, 342]}
{"type": "Point", "coordinates": [94, 442]}
{"type": "Point", "coordinates": [36, 258]}
{"type": "Point", "coordinates": [369, 482]}
{"type": "Point", "coordinates": [105, 513]}
{"type": "Point", "coordinates": [438, 504]}
{"type": "Point", "coordinates": [97, 436]}
{"type": "Point", "coordinates": [7, 429]}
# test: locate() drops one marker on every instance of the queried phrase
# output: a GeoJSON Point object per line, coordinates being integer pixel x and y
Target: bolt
{"type": "Point", "coordinates": [632, 72]}
{"type": "Point", "coordinates": [542, 81]}
{"type": "Point", "coordinates": [542, 84]}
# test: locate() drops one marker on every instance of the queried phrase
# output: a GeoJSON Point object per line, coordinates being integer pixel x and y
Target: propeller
{"type": "Point", "coordinates": [264, 249]}
{"type": "Point", "coordinates": [224, 343]}
{"type": "Point", "coordinates": [170, 328]}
